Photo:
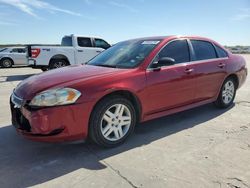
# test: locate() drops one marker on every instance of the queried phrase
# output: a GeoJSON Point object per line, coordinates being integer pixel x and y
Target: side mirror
{"type": "Point", "coordinates": [164, 61]}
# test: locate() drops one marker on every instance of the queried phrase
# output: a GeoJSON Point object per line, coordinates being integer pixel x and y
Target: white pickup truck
{"type": "Point", "coordinates": [73, 50]}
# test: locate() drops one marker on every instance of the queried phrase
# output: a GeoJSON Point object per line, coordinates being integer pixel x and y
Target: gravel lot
{"type": "Point", "coordinates": [202, 147]}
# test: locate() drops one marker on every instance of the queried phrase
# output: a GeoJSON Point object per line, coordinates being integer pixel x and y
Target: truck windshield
{"type": "Point", "coordinates": [67, 41]}
{"type": "Point", "coordinates": [128, 54]}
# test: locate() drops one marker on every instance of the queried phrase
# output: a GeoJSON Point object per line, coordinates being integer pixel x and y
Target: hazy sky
{"type": "Point", "coordinates": [38, 21]}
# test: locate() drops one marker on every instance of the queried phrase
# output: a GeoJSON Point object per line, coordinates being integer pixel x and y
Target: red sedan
{"type": "Point", "coordinates": [133, 81]}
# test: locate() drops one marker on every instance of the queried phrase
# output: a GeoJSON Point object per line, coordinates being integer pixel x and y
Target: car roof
{"type": "Point", "coordinates": [172, 37]}
{"type": "Point", "coordinates": [152, 38]}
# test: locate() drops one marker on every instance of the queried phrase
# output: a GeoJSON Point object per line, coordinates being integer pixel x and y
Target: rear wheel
{"type": "Point", "coordinates": [227, 93]}
{"type": "Point", "coordinates": [44, 68]}
{"type": "Point", "coordinates": [6, 63]}
{"type": "Point", "coordinates": [58, 63]}
{"type": "Point", "coordinates": [112, 121]}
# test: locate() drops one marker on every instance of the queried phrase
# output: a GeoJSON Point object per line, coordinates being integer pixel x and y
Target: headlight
{"type": "Point", "coordinates": [55, 97]}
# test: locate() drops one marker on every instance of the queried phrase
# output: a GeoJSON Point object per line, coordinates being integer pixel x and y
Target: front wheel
{"type": "Point", "coordinates": [44, 69]}
{"type": "Point", "coordinates": [112, 121]}
{"type": "Point", "coordinates": [6, 63]}
{"type": "Point", "coordinates": [227, 93]}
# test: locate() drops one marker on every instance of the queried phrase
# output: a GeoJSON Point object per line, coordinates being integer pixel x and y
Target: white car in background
{"type": "Point", "coordinates": [12, 56]}
{"type": "Point", "coordinates": [73, 50]}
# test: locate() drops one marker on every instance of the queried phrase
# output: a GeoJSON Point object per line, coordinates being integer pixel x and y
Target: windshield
{"type": "Point", "coordinates": [2, 49]}
{"type": "Point", "coordinates": [128, 54]}
{"type": "Point", "coordinates": [67, 41]}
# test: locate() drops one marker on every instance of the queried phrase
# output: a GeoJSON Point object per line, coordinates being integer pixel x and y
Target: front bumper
{"type": "Point", "coordinates": [55, 124]}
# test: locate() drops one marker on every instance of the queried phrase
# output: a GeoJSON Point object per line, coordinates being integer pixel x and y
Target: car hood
{"type": "Point", "coordinates": [28, 88]}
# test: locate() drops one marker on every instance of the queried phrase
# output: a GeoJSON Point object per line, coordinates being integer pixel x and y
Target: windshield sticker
{"type": "Point", "coordinates": [151, 42]}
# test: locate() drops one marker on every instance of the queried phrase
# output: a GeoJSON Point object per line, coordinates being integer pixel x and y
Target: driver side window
{"type": "Point", "coordinates": [177, 50]}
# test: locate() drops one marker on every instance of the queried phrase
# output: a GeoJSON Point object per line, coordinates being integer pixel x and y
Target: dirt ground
{"type": "Point", "coordinates": [202, 147]}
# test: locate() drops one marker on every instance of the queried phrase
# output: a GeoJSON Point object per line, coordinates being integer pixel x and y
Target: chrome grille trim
{"type": "Point", "coordinates": [17, 101]}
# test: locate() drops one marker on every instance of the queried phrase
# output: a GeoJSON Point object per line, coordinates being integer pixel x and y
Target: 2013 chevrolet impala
{"type": "Point", "coordinates": [133, 81]}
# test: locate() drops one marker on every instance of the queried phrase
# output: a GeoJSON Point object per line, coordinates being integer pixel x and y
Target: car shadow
{"type": "Point", "coordinates": [24, 163]}
{"type": "Point", "coordinates": [16, 77]}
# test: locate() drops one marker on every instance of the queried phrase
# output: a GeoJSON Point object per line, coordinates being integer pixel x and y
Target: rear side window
{"type": "Point", "coordinates": [21, 50]}
{"type": "Point", "coordinates": [178, 50]}
{"type": "Point", "coordinates": [84, 42]}
{"type": "Point", "coordinates": [14, 50]}
{"type": "Point", "coordinates": [203, 50]}
{"type": "Point", "coordinates": [221, 52]}
{"type": "Point", "coordinates": [18, 50]}
{"type": "Point", "coordinates": [67, 41]}
{"type": "Point", "coordinates": [99, 43]}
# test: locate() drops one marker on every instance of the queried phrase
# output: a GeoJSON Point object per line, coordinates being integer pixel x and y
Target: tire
{"type": "Point", "coordinates": [6, 63]}
{"type": "Point", "coordinates": [57, 63]}
{"type": "Point", "coordinates": [44, 69]}
{"type": "Point", "coordinates": [227, 93]}
{"type": "Point", "coordinates": [107, 130]}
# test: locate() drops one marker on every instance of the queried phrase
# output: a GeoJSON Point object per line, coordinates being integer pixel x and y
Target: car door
{"type": "Point", "coordinates": [18, 55]}
{"type": "Point", "coordinates": [210, 69]}
{"type": "Point", "coordinates": [171, 86]}
{"type": "Point", "coordinates": [85, 50]}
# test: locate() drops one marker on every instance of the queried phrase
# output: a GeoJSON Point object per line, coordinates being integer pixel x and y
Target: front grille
{"type": "Point", "coordinates": [18, 120]}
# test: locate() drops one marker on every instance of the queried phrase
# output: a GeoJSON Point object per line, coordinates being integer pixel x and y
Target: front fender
{"type": "Point", "coordinates": [4, 56]}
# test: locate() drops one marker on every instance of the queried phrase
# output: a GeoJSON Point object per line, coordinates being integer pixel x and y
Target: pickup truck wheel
{"type": "Point", "coordinates": [112, 121]}
{"type": "Point", "coordinates": [44, 68]}
{"type": "Point", "coordinates": [57, 63]}
{"type": "Point", "coordinates": [6, 63]}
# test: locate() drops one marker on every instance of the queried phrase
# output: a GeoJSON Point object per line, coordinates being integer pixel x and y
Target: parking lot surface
{"type": "Point", "coordinates": [202, 147]}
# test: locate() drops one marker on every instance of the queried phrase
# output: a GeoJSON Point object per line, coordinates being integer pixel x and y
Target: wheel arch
{"type": "Point", "coordinates": [128, 95]}
{"type": "Point", "coordinates": [6, 57]}
{"type": "Point", "coordinates": [235, 77]}
{"type": "Point", "coordinates": [218, 101]}
{"type": "Point", "coordinates": [59, 56]}
{"type": "Point", "coordinates": [232, 75]}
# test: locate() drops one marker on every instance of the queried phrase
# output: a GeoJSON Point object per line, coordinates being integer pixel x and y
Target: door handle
{"type": "Point", "coordinates": [221, 65]}
{"type": "Point", "coordinates": [188, 71]}
{"type": "Point", "coordinates": [80, 50]}
{"type": "Point", "coordinates": [98, 51]}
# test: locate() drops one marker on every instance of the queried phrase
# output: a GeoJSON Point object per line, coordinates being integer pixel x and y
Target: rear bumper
{"type": "Point", "coordinates": [56, 124]}
{"type": "Point", "coordinates": [33, 63]}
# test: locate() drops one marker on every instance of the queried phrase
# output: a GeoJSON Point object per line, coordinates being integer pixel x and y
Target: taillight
{"type": "Point", "coordinates": [35, 52]}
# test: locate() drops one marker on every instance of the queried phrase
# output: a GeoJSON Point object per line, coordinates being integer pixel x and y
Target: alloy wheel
{"type": "Point", "coordinates": [59, 64]}
{"type": "Point", "coordinates": [116, 122]}
{"type": "Point", "coordinates": [7, 63]}
{"type": "Point", "coordinates": [228, 92]}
